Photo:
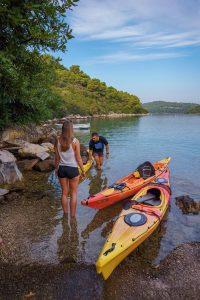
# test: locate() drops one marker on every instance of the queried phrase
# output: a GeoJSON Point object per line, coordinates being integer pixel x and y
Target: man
{"type": "Point", "coordinates": [96, 148]}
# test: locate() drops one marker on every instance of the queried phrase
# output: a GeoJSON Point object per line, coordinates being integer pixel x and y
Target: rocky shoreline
{"type": "Point", "coordinates": [177, 277]}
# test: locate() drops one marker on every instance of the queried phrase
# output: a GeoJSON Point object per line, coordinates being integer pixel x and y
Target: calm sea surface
{"type": "Point", "coordinates": [132, 141]}
{"type": "Point", "coordinates": [33, 227]}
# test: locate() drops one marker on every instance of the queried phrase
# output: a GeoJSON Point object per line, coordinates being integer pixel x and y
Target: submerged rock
{"type": "Point", "coordinates": [188, 204]}
{"type": "Point", "coordinates": [9, 172]}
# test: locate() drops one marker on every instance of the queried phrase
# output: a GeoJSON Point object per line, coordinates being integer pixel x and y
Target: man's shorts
{"type": "Point", "coordinates": [98, 154]}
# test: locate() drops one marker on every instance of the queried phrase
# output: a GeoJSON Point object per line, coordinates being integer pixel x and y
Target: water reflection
{"type": "Point", "coordinates": [103, 216]}
{"type": "Point", "coordinates": [68, 243]}
{"type": "Point", "coordinates": [53, 179]}
{"type": "Point", "coordinates": [98, 182]}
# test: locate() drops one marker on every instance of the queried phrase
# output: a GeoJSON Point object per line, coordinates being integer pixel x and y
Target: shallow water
{"type": "Point", "coordinates": [35, 232]}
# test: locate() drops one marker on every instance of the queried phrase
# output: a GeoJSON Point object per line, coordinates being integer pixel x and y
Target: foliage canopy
{"type": "Point", "coordinates": [26, 29]}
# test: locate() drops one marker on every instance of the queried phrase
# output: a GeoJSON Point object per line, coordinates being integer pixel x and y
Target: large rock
{"type": "Point", "coordinates": [27, 164]}
{"type": "Point", "coordinates": [49, 147]}
{"type": "Point", "coordinates": [30, 133]}
{"type": "Point", "coordinates": [45, 166]}
{"type": "Point", "coordinates": [3, 192]}
{"type": "Point", "coordinates": [187, 204]}
{"type": "Point", "coordinates": [11, 134]}
{"type": "Point", "coordinates": [33, 150]}
{"type": "Point", "coordinates": [9, 172]}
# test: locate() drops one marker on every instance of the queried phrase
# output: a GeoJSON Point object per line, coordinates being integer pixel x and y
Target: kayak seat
{"type": "Point", "coordinates": [119, 186]}
{"type": "Point", "coordinates": [151, 198]}
{"type": "Point", "coordinates": [153, 202]}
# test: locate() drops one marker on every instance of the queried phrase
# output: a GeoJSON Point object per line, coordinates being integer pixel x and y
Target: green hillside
{"type": "Point", "coordinates": [164, 107]}
{"type": "Point", "coordinates": [84, 95]}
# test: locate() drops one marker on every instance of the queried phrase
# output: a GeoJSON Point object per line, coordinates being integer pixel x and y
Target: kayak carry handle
{"type": "Point", "coordinates": [110, 249]}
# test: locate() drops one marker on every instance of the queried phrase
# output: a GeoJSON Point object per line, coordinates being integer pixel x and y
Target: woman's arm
{"type": "Point", "coordinates": [78, 156]}
{"type": "Point", "coordinates": [57, 156]}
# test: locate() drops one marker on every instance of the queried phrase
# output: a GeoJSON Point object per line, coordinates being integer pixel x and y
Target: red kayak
{"type": "Point", "coordinates": [124, 187]}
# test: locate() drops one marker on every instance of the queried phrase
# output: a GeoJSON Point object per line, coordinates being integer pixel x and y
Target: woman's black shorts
{"type": "Point", "coordinates": [67, 172]}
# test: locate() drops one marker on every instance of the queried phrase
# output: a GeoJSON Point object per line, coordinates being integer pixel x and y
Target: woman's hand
{"type": "Point", "coordinates": [56, 171]}
{"type": "Point", "coordinates": [83, 174]}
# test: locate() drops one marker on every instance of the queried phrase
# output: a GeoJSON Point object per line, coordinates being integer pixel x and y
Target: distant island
{"type": "Point", "coordinates": [164, 107]}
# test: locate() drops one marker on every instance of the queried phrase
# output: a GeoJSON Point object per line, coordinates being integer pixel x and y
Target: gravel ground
{"type": "Point", "coordinates": [177, 277]}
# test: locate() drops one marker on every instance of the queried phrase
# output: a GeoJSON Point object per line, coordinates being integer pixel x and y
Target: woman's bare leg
{"type": "Point", "coordinates": [73, 184]}
{"type": "Point", "coordinates": [64, 182]}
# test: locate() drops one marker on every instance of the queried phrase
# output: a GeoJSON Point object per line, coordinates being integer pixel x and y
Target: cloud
{"type": "Point", "coordinates": [127, 56]}
{"type": "Point", "coordinates": [150, 23]}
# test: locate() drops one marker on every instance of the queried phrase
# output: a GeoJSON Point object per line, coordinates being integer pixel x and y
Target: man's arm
{"type": "Point", "coordinates": [107, 149]}
{"type": "Point", "coordinates": [90, 150]}
{"type": "Point", "coordinates": [106, 145]}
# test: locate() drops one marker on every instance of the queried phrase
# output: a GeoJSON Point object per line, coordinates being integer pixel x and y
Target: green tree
{"type": "Point", "coordinates": [27, 29]}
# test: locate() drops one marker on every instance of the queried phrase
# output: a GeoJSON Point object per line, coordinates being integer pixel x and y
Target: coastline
{"type": "Point", "coordinates": [95, 116]}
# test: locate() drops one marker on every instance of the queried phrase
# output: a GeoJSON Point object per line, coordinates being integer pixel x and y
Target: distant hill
{"type": "Point", "coordinates": [164, 107]}
{"type": "Point", "coordinates": [85, 95]}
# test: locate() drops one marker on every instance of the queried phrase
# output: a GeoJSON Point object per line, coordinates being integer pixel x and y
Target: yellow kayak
{"type": "Point", "coordinates": [87, 166]}
{"type": "Point", "coordinates": [139, 219]}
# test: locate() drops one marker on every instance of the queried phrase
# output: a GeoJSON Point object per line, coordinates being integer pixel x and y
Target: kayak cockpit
{"type": "Point", "coordinates": [153, 197]}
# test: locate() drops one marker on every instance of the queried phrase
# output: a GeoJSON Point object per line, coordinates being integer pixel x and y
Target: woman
{"type": "Point", "coordinates": [67, 160]}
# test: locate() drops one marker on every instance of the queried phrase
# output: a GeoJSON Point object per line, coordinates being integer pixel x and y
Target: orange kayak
{"type": "Point", "coordinates": [124, 187]}
{"type": "Point", "coordinates": [136, 222]}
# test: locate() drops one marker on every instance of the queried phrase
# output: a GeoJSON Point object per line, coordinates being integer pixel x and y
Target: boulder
{"type": "Point", "coordinates": [45, 166]}
{"type": "Point", "coordinates": [30, 133]}
{"type": "Point", "coordinates": [13, 150]}
{"type": "Point", "coordinates": [49, 147]}
{"type": "Point", "coordinates": [188, 204]}
{"type": "Point", "coordinates": [6, 157]}
{"type": "Point", "coordinates": [18, 143]}
{"type": "Point", "coordinates": [11, 134]}
{"type": "Point", "coordinates": [33, 150]}
{"type": "Point", "coordinates": [27, 164]}
{"type": "Point", "coordinates": [3, 192]}
{"type": "Point", "coordinates": [9, 172]}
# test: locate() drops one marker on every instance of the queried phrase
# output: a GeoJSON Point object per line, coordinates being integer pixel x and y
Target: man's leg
{"type": "Point", "coordinates": [101, 160]}
{"type": "Point", "coordinates": [97, 160]}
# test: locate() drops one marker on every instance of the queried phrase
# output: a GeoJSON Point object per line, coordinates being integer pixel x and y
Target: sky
{"type": "Point", "coordinates": [150, 48]}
